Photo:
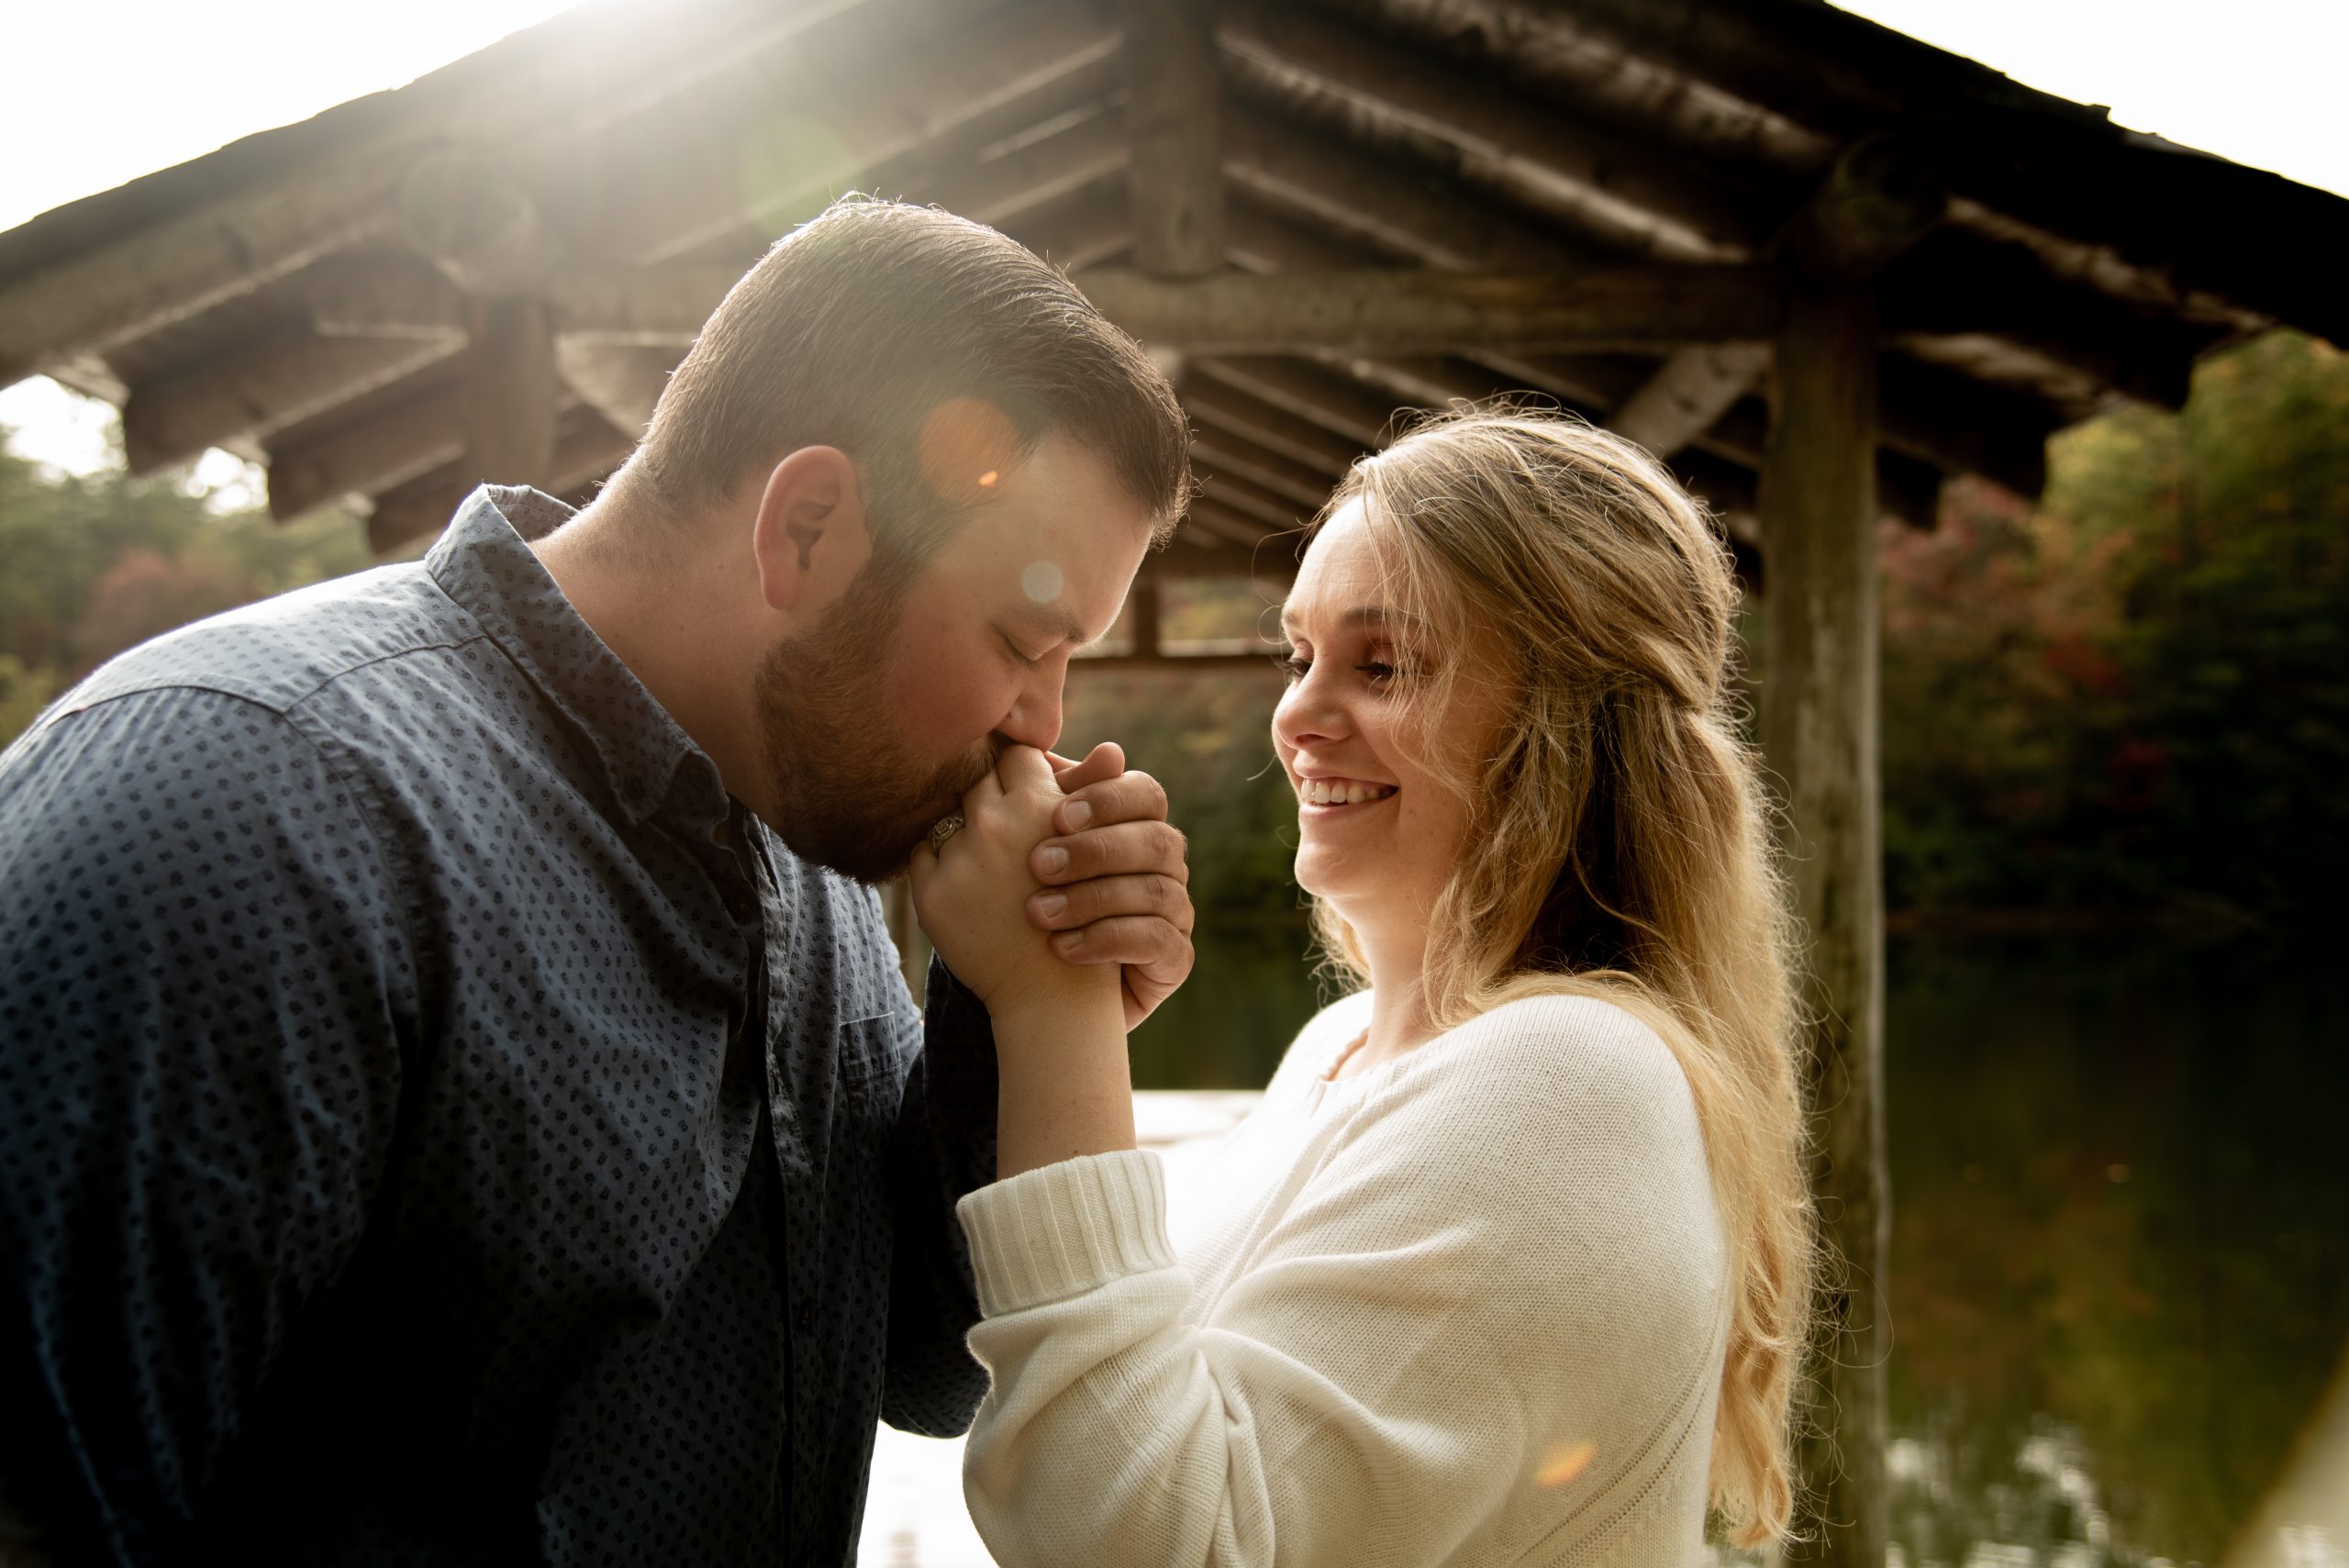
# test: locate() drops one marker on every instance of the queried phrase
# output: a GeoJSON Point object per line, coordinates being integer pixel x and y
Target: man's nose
{"type": "Point", "coordinates": [1035, 719]}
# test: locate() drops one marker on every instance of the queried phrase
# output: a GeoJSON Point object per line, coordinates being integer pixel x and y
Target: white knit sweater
{"type": "Point", "coordinates": [1464, 1306]}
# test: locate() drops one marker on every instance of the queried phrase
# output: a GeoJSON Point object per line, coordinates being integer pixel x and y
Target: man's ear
{"type": "Point", "coordinates": [811, 535]}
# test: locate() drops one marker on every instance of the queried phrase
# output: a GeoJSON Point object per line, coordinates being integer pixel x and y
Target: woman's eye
{"type": "Point", "coordinates": [1291, 667]}
{"type": "Point", "coordinates": [1376, 670]}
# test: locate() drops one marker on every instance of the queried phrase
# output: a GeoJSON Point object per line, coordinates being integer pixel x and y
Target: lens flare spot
{"type": "Point", "coordinates": [965, 447]}
{"type": "Point", "coordinates": [1565, 1462]}
{"type": "Point", "coordinates": [1040, 582]}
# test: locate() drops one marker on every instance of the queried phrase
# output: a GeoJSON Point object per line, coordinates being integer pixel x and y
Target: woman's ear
{"type": "Point", "coordinates": [811, 535]}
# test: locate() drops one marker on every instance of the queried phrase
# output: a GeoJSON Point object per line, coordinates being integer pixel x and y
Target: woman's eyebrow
{"type": "Point", "coordinates": [1360, 615]}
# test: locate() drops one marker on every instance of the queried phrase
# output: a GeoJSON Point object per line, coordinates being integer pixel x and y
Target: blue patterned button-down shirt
{"type": "Point", "coordinates": [438, 1125]}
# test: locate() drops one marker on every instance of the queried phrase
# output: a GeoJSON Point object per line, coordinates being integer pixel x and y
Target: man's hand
{"type": "Point", "coordinates": [1115, 883]}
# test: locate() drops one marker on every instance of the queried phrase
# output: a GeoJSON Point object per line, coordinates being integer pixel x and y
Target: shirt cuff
{"type": "Point", "coordinates": [1062, 1230]}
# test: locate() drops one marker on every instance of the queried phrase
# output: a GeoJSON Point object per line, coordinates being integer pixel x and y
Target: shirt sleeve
{"type": "Point", "coordinates": [1494, 1276]}
{"type": "Point", "coordinates": [945, 1148]}
{"type": "Point", "coordinates": [202, 997]}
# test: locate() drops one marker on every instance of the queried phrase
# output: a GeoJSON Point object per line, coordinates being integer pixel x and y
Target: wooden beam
{"type": "Point", "coordinates": [1005, 189]}
{"type": "Point", "coordinates": [779, 142]}
{"type": "Point", "coordinates": [1176, 663]}
{"type": "Point", "coordinates": [510, 394]}
{"type": "Point", "coordinates": [1427, 381]}
{"type": "Point", "coordinates": [589, 451]}
{"type": "Point", "coordinates": [660, 306]}
{"type": "Point", "coordinates": [1339, 404]}
{"type": "Point", "coordinates": [1262, 237]}
{"type": "Point", "coordinates": [1172, 99]}
{"type": "Point", "coordinates": [1881, 197]}
{"type": "Point", "coordinates": [1395, 311]}
{"type": "Point", "coordinates": [1261, 506]}
{"type": "Point", "coordinates": [1221, 457]}
{"type": "Point", "coordinates": [1225, 527]}
{"type": "Point", "coordinates": [477, 224]}
{"type": "Point", "coordinates": [1884, 194]}
{"type": "Point", "coordinates": [621, 381]}
{"type": "Point", "coordinates": [405, 441]}
{"type": "Point", "coordinates": [1689, 394]}
{"type": "Point", "coordinates": [1626, 308]}
{"type": "Point", "coordinates": [277, 381]}
{"type": "Point", "coordinates": [1616, 189]}
{"type": "Point", "coordinates": [384, 296]}
{"type": "Point", "coordinates": [1819, 736]}
{"type": "Point", "coordinates": [1958, 282]}
{"type": "Point", "coordinates": [1963, 425]}
{"type": "Point", "coordinates": [1268, 425]}
{"type": "Point", "coordinates": [1430, 220]}
{"type": "Point", "coordinates": [168, 271]}
{"type": "Point", "coordinates": [1085, 230]}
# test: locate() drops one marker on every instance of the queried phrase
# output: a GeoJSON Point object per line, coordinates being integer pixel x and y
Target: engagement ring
{"type": "Point", "coordinates": [943, 829]}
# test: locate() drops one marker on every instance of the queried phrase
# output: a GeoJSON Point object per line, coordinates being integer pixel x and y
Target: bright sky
{"type": "Point", "coordinates": [107, 90]}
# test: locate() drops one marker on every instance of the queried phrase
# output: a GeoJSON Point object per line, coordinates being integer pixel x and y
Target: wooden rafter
{"type": "Point", "coordinates": [275, 383]}
{"type": "Point", "coordinates": [1172, 111]}
{"type": "Point", "coordinates": [1620, 192]}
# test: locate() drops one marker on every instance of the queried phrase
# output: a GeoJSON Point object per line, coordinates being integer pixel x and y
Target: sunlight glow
{"type": "Point", "coordinates": [1565, 1462]}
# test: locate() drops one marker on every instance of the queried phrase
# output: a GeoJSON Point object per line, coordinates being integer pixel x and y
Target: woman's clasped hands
{"type": "Point", "coordinates": [971, 894]}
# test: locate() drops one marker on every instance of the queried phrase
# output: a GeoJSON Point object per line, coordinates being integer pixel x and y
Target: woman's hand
{"type": "Point", "coordinates": [1062, 1088]}
{"type": "Point", "coordinates": [971, 897]}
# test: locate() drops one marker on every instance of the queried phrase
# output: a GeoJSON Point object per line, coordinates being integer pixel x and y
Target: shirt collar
{"type": "Point", "coordinates": [483, 563]}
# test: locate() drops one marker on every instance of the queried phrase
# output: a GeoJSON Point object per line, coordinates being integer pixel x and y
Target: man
{"type": "Point", "coordinates": [455, 1105]}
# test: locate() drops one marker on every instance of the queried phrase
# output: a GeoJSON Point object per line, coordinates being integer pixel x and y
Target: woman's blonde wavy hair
{"type": "Point", "coordinates": [1618, 841]}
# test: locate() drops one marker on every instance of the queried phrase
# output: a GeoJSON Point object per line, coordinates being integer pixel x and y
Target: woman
{"type": "Point", "coordinates": [1512, 1263]}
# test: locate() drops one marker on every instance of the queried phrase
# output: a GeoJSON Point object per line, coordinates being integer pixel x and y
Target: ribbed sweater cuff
{"type": "Point", "coordinates": [1060, 1231]}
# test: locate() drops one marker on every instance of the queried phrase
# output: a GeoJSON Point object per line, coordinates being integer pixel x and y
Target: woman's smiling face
{"type": "Point", "coordinates": [1379, 777]}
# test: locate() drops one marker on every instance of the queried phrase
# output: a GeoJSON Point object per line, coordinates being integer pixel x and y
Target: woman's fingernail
{"type": "Point", "coordinates": [1076, 813]}
{"type": "Point", "coordinates": [1051, 905]}
{"type": "Point", "coordinates": [1054, 860]}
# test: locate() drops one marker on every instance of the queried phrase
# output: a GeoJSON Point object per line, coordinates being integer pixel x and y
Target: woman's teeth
{"type": "Point", "coordinates": [1324, 791]}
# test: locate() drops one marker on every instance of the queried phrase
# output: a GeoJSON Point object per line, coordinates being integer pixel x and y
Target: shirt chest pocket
{"type": "Point", "coordinates": [873, 1073]}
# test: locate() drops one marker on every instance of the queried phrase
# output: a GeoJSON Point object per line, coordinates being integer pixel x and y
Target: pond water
{"type": "Point", "coordinates": [2120, 1270]}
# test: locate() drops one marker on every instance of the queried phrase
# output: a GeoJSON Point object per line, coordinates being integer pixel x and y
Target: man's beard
{"type": "Point", "coordinates": [848, 795]}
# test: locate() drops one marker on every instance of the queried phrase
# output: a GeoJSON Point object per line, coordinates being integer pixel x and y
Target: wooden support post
{"type": "Point", "coordinates": [510, 393]}
{"type": "Point", "coordinates": [1144, 600]}
{"type": "Point", "coordinates": [1172, 92]}
{"type": "Point", "coordinates": [1820, 734]}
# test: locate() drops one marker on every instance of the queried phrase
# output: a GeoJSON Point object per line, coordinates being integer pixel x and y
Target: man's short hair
{"type": "Point", "coordinates": [859, 326]}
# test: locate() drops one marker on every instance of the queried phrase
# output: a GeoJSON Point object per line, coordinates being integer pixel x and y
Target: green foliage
{"type": "Point", "coordinates": [2133, 695]}
{"type": "Point", "coordinates": [98, 563]}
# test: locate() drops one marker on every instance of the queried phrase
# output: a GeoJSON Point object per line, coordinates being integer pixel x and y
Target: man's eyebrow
{"type": "Point", "coordinates": [1061, 625]}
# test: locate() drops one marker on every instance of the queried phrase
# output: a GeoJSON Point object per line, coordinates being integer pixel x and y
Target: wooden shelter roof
{"type": "Point", "coordinates": [1602, 201]}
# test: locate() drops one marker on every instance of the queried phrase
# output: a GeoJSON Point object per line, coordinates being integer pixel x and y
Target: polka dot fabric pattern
{"type": "Point", "coordinates": [436, 1123]}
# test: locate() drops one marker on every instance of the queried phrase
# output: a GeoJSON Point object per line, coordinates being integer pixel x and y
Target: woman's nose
{"type": "Point", "coordinates": [1309, 712]}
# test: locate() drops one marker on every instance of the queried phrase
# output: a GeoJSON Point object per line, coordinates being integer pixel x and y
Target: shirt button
{"type": "Point", "coordinates": [803, 1320]}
